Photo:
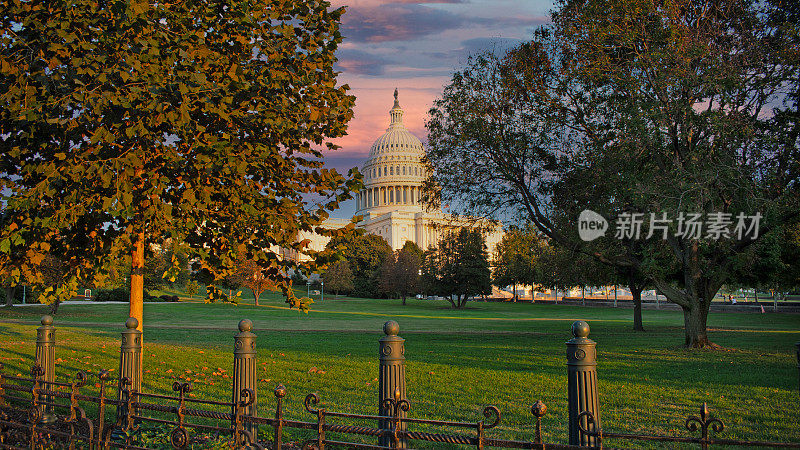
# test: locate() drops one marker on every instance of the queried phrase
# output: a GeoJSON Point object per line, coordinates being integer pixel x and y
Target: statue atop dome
{"type": "Point", "coordinates": [396, 113]}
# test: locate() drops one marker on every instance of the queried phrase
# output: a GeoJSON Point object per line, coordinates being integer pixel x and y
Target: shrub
{"type": "Point", "coordinates": [119, 294]}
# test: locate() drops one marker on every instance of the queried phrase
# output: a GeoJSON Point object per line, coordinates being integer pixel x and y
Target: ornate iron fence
{"type": "Point", "coordinates": [38, 412]}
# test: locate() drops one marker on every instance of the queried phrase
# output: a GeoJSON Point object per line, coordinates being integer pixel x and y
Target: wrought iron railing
{"type": "Point", "coordinates": [39, 412]}
{"type": "Point", "coordinates": [43, 414]}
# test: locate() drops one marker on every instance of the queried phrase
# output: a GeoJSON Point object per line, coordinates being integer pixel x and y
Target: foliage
{"type": "Point", "coordinates": [400, 273]}
{"type": "Point", "coordinates": [339, 277]}
{"type": "Point", "coordinates": [192, 288]}
{"type": "Point", "coordinates": [459, 268]}
{"type": "Point", "coordinates": [122, 294]}
{"type": "Point", "coordinates": [203, 121]}
{"type": "Point", "coordinates": [167, 266]}
{"type": "Point", "coordinates": [298, 279]}
{"type": "Point", "coordinates": [411, 247]}
{"type": "Point", "coordinates": [517, 259]}
{"type": "Point", "coordinates": [112, 295]}
{"type": "Point", "coordinates": [629, 107]}
{"type": "Point", "coordinates": [365, 253]}
{"type": "Point", "coordinates": [250, 275]}
{"type": "Point", "coordinates": [216, 295]}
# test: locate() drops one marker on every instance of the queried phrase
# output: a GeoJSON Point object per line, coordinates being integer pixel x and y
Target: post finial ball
{"type": "Point", "coordinates": [131, 323]}
{"type": "Point", "coordinates": [47, 320]}
{"type": "Point", "coordinates": [245, 325]}
{"type": "Point", "coordinates": [580, 329]}
{"type": "Point", "coordinates": [391, 328]}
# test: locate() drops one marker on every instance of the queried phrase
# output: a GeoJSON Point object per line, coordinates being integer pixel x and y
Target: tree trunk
{"type": "Point", "coordinates": [694, 321]}
{"type": "Point", "coordinates": [636, 292]}
{"type": "Point", "coordinates": [137, 280]}
{"type": "Point", "coordinates": [514, 292]}
{"type": "Point", "coordinates": [615, 296]}
{"type": "Point", "coordinates": [54, 307]}
{"type": "Point", "coordinates": [256, 297]}
{"type": "Point", "coordinates": [404, 300]}
{"type": "Point", "coordinates": [10, 292]}
{"type": "Point", "coordinates": [583, 296]}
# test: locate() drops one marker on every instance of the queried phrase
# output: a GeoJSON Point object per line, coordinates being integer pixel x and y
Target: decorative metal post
{"type": "Point", "coordinates": [130, 360]}
{"type": "Point", "coordinates": [798, 364]}
{"type": "Point", "coordinates": [46, 360]}
{"type": "Point", "coordinates": [391, 380]}
{"type": "Point", "coordinates": [582, 384]}
{"type": "Point", "coordinates": [244, 372]}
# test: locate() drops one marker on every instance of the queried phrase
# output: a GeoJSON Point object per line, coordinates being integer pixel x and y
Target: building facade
{"type": "Point", "coordinates": [390, 203]}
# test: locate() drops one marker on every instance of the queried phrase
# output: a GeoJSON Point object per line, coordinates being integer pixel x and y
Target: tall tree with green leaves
{"type": "Point", "coordinates": [626, 107]}
{"type": "Point", "coordinates": [338, 277]}
{"type": "Point", "coordinates": [400, 273]}
{"type": "Point", "coordinates": [515, 259]}
{"type": "Point", "coordinates": [459, 268]}
{"type": "Point", "coordinates": [365, 254]}
{"type": "Point", "coordinates": [203, 121]}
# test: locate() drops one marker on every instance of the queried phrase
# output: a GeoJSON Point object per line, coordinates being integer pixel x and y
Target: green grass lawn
{"type": "Point", "coordinates": [505, 354]}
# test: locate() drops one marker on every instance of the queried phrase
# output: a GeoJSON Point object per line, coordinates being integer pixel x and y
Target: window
{"type": "Point", "coordinates": [404, 170]}
{"type": "Point", "coordinates": [391, 171]}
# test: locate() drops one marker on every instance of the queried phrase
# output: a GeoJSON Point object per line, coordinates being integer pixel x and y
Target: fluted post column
{"type": "Point", "coordinates": [582, 384]}
{"type": "Point", "coordinates": [244, 372]}
{"type": "Point", "coordinates": [130, 357]}
{"type": "Point", "coordinates": [46, 360]}
{"type": "Point", "coordinates": [391, 379]}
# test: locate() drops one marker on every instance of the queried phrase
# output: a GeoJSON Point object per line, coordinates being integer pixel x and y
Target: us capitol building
{"type": "Point", "coordinates": [390, 202]}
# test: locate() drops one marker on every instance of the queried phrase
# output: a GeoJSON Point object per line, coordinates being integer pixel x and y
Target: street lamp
{"type": "Point", "coordinates": [308, 288]}
{"type": "Point", "coordinates": [419, 272]}
{"type": "Point", "coordinates": [321, 291]}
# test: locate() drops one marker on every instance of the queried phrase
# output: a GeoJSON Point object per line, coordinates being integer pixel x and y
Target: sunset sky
{"type": "Point", "coordinates": [415, 46]}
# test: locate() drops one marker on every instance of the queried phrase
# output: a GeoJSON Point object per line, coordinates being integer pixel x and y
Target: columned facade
{"type": "Point", "coordinates": [390, 203]}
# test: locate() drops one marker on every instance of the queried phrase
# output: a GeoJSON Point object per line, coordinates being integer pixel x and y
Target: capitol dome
{"type": "Point", "coordinates": [393, 172]}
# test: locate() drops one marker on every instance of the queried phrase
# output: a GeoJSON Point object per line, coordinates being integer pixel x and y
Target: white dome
{"type": "Point", "coordinates": [394, 165]}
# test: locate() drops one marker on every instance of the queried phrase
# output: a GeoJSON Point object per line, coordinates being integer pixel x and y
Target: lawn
{"type": "Point", "coordinates": [505, 354]}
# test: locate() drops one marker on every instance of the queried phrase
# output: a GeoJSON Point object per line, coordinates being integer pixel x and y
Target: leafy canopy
{"type": "Point", "coordinates": [200, 120]}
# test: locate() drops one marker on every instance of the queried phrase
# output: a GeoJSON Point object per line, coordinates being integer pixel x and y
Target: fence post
{"type": "Point", "coordinates": [46, 360]}
{"type": "Point", "coordinates": [130, 359]}
{"type": "Point", "coordinates": [797, 345]}
{"type": "Point", "coordinates": [391, 379]}
{"type": "Point", "coordinates": [582, 384]}
{"type": "Point", "coordinates": [244, 372]}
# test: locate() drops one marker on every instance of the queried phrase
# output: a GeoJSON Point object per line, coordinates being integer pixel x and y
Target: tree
{"type": "Point", "coordinates": [192, 288]}
{"type": "Point", "coordinates": [203, 121]}
{"type": "Point", "coordinates": [365, 253]}
{"type": "Point", "coordinates": [459, 268]}
{"type": "Point", "coordinates": [413, 249]}
{"type": "Point", "coordinates": [387, 281]}
{"type": "Point", "coordinates": [252, 276]}
{"type": "Point", "coordinates": [400, 273]}
{"type": "Point", "coordinates": [339, 277]}
{"type": "Point", "coordinates": [515, 259]}
{"type": "Point", "coordinates": [626, 108]}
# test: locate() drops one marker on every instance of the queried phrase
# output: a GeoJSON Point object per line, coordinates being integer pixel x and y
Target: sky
{"type": "Point", "coordinates": [414, 46]}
